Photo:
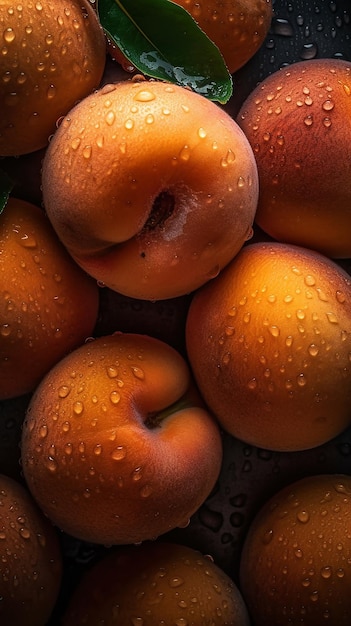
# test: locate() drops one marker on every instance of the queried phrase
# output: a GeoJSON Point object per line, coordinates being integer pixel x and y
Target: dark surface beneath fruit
{"type": "Point", "coordinates": [300, 30]}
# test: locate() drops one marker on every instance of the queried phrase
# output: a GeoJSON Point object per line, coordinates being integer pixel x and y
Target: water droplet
{"type": "Point", "coordinates": [184, 153]}
{"type": "Point", "coordinates": [136, 474]}
{"type": "Point", "coordinates": [326, 572]}
{"type": "Point", "coordinates": [43, 431]}
{"type": "Point", "coordinates": [119, 453]}
{"type": "Point", "coordinates": [87, 150]}
{"type": "Point", "coordinates": [328, 105]}
{"type": "Point", "coordinates": [144, 95]}
{"type": "Point", "coordinates": [146, 491]}
{"type": "Point", "coordinates": [176, 581]}
{"type": "Point", "coordinates": [274, 331]}
{"type": "Point", "coordinates": [332, 318]}
{"type": "Point", "coordinates": [78, 408]}
{"type": "Point", "coordinates": [128, 124]}
{"type": "Point", "coordinates": [267, 536]}
{"type": "Point", "coordinates": [138, 372]}
{"type": "Point", "coordinates": [51, 464]}
{"type": "Point", "coordinates": [303, 516]}
{"type": "Point", "coordinates": [313, 349]}
{"type": "Point", "coordinates": [24, 532]}
{"type": "Point", "coordinates": [63, 391]}
{"type": "Point", "coordinates": [115, 397]}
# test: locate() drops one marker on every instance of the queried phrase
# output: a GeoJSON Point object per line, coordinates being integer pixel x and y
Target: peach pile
{"type": "Point", "coordinates": [175, 300]}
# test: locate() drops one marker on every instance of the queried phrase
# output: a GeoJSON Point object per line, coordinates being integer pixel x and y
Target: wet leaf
{"type": "Point", "coordinates": [162, 40]}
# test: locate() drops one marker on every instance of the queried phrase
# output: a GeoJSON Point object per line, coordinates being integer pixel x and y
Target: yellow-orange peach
{"type": "Point", "coordinates": [30, 559]}
{"type": "Point", "coordinates": [53, 54]}
{"type": "Point", "coordinates": [117, 446]}
{"type": "Point", "coordinates": [151, 187]}
{"type": "Point", "coordinates": [156, 583]}
{"type": "Point", "coordinates": [295, 563]}
{"type": "Point", "coordinates": [48, 305]}
{"type": "Point", "coordinates": [269, 341]}
{"type": "Point", "coordinates": [298, 123]}
{"type": "Point", "coordinates": [237, 27]}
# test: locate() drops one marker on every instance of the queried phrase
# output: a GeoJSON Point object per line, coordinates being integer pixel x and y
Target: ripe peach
{"type": "Point", "coordinates": [269, 342]}
{"type": "Point", "coordinates": [298, 123]}
{"type": "Point", "coordinates": [53, 54]}
{"type": "Point", "coordinates": [295, 564]}
{"type": "Point", "coordinates": [156, 583]}
{"type": "Point", "coordinates": [48, 304]}
{"type": "Point", "coordinates": [117, 446]}
{"type": "Point", "coordinates": [151, 187]}
{"type": "Point", "coordinates": [237, 28]}
{"type": "Point", "coordinates": [30, 559]}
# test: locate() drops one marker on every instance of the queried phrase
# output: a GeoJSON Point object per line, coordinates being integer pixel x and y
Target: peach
{"type": "Point", "coordinates": [295, 562]}
{"type": "Point", "coordinates": [156, 583]}
{"type": "Point", "coordinates": [269, 344]}
{"type": "Point", "coordinates": [30, 559]}
{"type": "Point", "coordinates": [117, 446]}
{"type": "Point", "coordinates": [151, 187]}
{"type": "Point", "coordinates": [297, 121]}
{"type": "Point", "coordinates": [53, 54]}
{"type": "Point", "coordinates": [48, 304]}
{"type": "Point", "coordinates": [238, 28]}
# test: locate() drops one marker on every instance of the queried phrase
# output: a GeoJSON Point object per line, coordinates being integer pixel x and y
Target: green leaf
{"type": "Point", "coordinates": [162, 40]}
{"type": "Point", "coordinates": [6, 186]}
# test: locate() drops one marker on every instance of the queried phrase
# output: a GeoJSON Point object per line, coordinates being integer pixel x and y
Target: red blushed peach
{"type": "Point", "coordinates": [298, 124]}
{"type": "Point", "coordinates": [117, 446]}
{"type": "Point", "coordinates": [151, 187]}
{"type": "Point", "coordinates": [156, 583]}
{"type": "Point", "coordinates": [269, 342]}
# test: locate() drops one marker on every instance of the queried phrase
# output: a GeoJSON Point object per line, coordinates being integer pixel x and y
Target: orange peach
{"type": "Point", "coordinates": [238, 28]}
{"type": "Point", "coordinates": [298, 124]}
{"type": "Point", "coordinates": [117, 446]}
{"type": "Point", "coordinates": [151, 187]}
{"type": "Point", "coordinates": [295, 563]}
{"type": "Point", "coordinates": [30, 559]}
{"type": "Point", "coordinates": [53, 54]}
{"type": "Point", "coordinates": [48, 305]}
{"type": "Point", "coordinates": [156, 583]}
{"type": "Point", "coordinates": [269, 342]}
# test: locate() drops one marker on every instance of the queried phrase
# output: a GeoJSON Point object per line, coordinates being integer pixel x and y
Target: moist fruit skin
{"type": "Point", "coordinates": [30, 558]}
{"type": "Point", "coordinates": [54, 54]}
{"type": "Point", "coordinates": [272, 333]}
{"type": "Point", "coordinates": [156, 583]}
{"type": "Point", "coordinates": [48, 305]}
{"type": "Point", "coordinates": [297, 121]}
{"type": "Point", "coordinates": [151, 187]}
{"type": "Point", "coordinates": [238, 27]}
{"type": "Point", "coordinates": [117, 446]}
{"type": "Point", "coordinates": [295, 562]}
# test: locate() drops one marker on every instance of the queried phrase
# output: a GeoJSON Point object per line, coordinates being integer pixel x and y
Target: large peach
{"type": "Point", "coordinates": [48, 305]}
{"type": "Point", "coordinates": [156, 583]}
{"type": "Point", "coordinates": [269, 341]}
{"type": "Point", "coordinates": [117, 446]}
{"type": "Point", "coordinates": [151, 187]}
{"type": "Point", "coordinates": [295, 563]}
{"type": "Point", "coordinates": [53, 54]}
{"type": "Point", "coordinates": [237, 27]}
{"type": "Point", "coordinates": [298, 123]}
{"type": "Point", "coordinates": [30, 559]}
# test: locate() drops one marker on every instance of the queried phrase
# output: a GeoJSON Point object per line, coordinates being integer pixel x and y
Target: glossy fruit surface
{"type": "Point", "coordinates": [108, 449]}
{"type": "Point", "coordinates": [298, 123]}
{"type": "Point", "coordinates": [30, 559]}
{"type": "Point", "coordinates": [295, 564]}
{"type": "Point", "coordinates": [238, 28]}
{"type": "Point", "coordinates": [48, 305]}
{"type": "Point", "coordinates": [53, 54]}
{"type": "Point", "coordinates": [156, 583]}
{"type": "Point", "coordinates": [273, 334]}
{"type": "Point", "coordinates": [151, 187]}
